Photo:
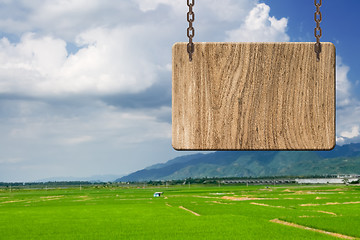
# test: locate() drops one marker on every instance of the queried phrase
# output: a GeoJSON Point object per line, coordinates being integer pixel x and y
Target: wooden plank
{"type": "Point", "coordinates": [253, 96]}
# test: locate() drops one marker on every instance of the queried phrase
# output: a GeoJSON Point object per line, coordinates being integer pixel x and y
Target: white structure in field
{"type": "Point", "coordinates": [158, 194]}
{"type": "Point", "coordinates": [337, 179]}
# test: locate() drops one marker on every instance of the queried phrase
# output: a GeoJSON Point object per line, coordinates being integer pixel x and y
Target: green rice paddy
{"type": "Point", "coordinates": [226, 212]}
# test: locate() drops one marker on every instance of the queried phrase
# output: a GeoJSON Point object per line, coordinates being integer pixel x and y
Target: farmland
{"type": "Point", "coordinates": [198, 212]}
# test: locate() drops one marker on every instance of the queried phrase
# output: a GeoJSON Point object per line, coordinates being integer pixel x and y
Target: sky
{"type": "Point", "coordinates": [85, 85]}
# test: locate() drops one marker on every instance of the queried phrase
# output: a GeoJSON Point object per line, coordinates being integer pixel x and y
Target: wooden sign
{"type": "Point", "coordinates": [253, 96]}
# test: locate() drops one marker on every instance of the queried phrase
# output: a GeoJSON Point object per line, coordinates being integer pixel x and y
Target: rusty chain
{"type": "Point", "coordinates": [190, 29]}
{"type": "Point", "coordinates": [318, 31]}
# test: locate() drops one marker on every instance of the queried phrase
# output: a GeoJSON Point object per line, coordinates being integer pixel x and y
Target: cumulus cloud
{"type": "Point", "coordinates": [347, 122]}
{"type": "Point", "coordinates": [351, 135]}
{"type": "Point", "coordinates": [348, 106]}
{"type": "Point", "coordinates": [354, 132]}
{"type": "Point", "coordinates": [65, 19]}
{"type": "Point", "coordinates": [343, 85]}
{"type": "Point", "coordinates": [259, 26]}
{"type": "Point", "coordinates": [106, 63]}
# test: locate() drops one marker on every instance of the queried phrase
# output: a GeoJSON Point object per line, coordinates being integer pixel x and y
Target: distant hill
{"type": "Point", "coordinates": [342, 159]}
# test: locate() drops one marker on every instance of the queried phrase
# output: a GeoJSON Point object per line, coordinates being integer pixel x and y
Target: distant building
{"type": "Point", "coordinates": [348, 176]}
{"type": "Point", "coordinates": [158, 194]}
{"type": "Point", "coordinates": [336, 179]}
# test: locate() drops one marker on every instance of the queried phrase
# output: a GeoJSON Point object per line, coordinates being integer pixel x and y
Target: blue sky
{"type": "Point", "coordinates": [85, 85]}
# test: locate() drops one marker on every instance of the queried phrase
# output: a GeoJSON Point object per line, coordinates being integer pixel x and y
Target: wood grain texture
{"type": "Point", "coordinates": [253, 96]}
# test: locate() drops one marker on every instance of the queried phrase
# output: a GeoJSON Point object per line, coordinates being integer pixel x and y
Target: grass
{"type": "Point", "coordinates": [131, 213]}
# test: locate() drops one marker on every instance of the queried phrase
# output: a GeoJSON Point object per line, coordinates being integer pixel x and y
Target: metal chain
{"type": "Point", "coordinates": [190, 29]}
{"type": "Point", "coordinates": [318, 31]}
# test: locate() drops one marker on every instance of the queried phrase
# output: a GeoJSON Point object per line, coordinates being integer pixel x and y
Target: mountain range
{"type": "Point", "coordinates": [341, 160]}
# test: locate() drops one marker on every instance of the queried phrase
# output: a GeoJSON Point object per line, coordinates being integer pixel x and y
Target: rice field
{"type": "Point", "coordinates": [226, 212]}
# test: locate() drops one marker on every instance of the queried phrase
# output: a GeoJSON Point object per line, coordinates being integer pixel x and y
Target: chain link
{"type": "Point", "coordinates": [318, 31]}
{"type": "Point", "coordinates": [190, 29]}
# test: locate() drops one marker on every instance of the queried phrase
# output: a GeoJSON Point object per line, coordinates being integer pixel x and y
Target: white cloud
{"type": "Point", "coordinates": [348, 106]}
{"type": "Point", "coordinates": [98, 123]}
{"type": "Point", "coordinates": [343, 85]}
{"type": "Point", "coordinates": [259, 26]}
{"type": "Point", "coordinates": [107, 63]}
{"type": "Point", "coordinates": [110, 63]}
{"type": "Point", "coordinates": [340, 140]}
{"type": "Point", "coordinates": [348, 121]}
{"type": "Point", "coordinates": [354, 132]}
{"type": "Point", "coordinates": [64, 19]}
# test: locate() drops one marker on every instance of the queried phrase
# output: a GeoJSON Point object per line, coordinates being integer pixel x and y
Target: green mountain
{"type": "Point", "coordinates": [341, 160]}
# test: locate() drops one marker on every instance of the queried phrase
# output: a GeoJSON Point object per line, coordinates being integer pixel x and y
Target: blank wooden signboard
{"type": "Point", "coordinates": [253, 96]}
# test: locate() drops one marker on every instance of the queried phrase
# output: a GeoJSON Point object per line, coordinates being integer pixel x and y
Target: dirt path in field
{"type": "Point", "coordinates": [265, 205]}
{"type": "Point", "coordinates": [206, 197]}
{"type": "Point", "coordinates": [247, 198]}
{"type": "Point", "coordinates": [15, 201]}
{"type": "Point", "coordinates": [196, 214]}
{"type": "Point", "coordinates": [338, 235]}
{"type": "Point", "coordinates": [48, 197]}
{"type": "Point", "coordinates": [329, 203]}
{"type": "Point", "coordinates": [221, 202]}
{"type": "Point", "coordinates": [331, 213]}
